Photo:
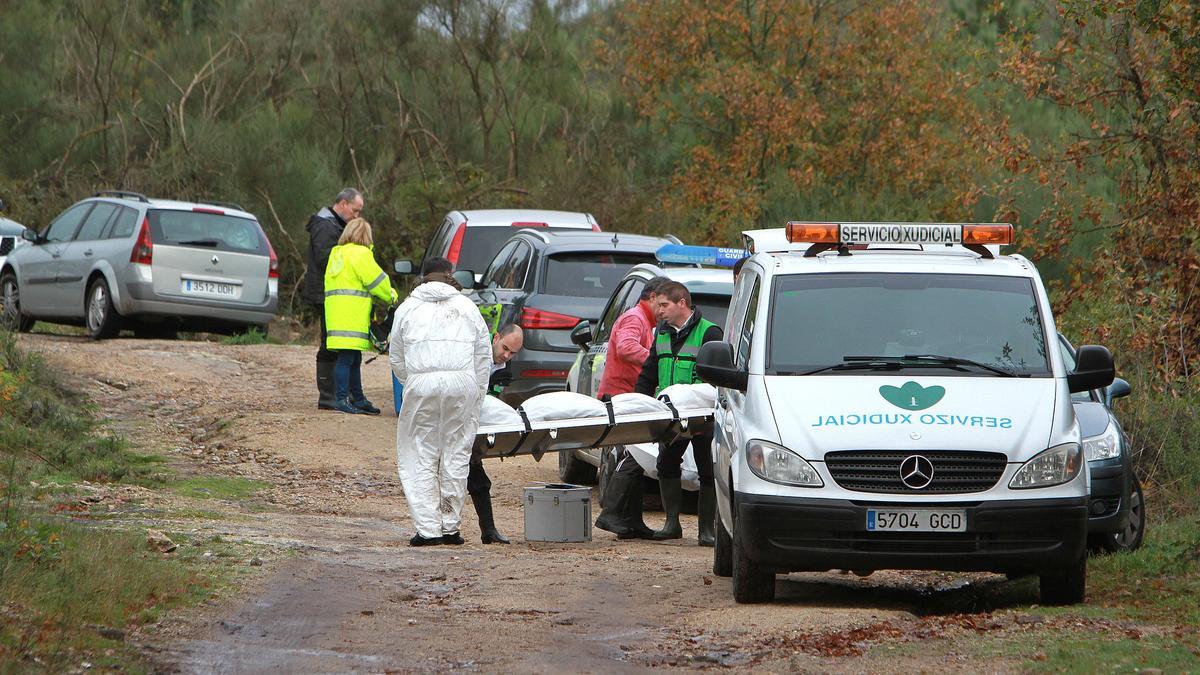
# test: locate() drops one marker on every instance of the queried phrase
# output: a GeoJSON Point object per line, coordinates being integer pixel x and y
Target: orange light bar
{"type": "Point", "coordinates": [998, 233]}
{"type": "Point", "coordinates": [812, 233]}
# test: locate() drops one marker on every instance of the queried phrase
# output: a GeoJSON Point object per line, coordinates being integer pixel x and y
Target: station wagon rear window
{"type": "Point", "coordinates": [209, 231]}
{"type": "Point", "coordinates": [588, 275]}
{"type": "Point", "coordinates": [817, 320]}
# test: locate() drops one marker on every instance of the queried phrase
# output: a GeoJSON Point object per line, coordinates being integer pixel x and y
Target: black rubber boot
{"type": "Point", "coordinates": [706, 507]}
{"type": "Point", "coordinates": [621, 515]}
{"type": "Point", "coordinates": [488, 533]}
{"type": "Point", "coordinates": [671, 490]}
{"type": "Point", "coordinates": [326, 397]}
{"type": "Point", "coordinates": [453, 539]}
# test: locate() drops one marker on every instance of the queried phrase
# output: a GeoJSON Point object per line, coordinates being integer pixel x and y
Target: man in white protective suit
{"type": "Point", "coordinates": [440, 350]}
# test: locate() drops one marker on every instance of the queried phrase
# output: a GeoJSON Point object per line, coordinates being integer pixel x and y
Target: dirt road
{"type": "Point", "coordinates": [340, 590]}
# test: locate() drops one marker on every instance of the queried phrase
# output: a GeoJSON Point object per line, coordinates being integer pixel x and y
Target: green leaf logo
{"type": "Point", "coordinates": [912, 396]}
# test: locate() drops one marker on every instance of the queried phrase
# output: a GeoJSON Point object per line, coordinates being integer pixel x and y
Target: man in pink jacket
{"type": "Point", "coordinates": [628, 346]}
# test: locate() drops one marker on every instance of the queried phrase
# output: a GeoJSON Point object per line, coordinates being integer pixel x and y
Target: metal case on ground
{"type": "Point", "coordinates": [558, 512]}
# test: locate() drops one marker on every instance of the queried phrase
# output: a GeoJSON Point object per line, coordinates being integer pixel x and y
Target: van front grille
{"type": "Point", "coordinates": [954, 471]}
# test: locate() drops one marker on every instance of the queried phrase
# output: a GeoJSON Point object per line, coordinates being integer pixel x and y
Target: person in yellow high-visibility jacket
{"type": "Point", "coordinates": [351, 278]}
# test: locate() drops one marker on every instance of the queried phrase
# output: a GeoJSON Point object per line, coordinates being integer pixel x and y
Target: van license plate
{"type": "Point", "coordinates": [208, 288]}
{"type": "Point", "coordinates": [916, 520]}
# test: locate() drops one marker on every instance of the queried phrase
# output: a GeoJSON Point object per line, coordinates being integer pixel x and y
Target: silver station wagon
{"type": "Point", "coordinates": [122, 260]}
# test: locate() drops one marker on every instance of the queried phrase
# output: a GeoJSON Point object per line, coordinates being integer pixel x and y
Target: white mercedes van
{"type": "Point", "coordinates": [893, 397]}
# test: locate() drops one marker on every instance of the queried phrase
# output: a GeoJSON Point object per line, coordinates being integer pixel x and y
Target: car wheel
{"type": "Point", "coordinates": [751, 582]}
{"type": "Point", "coordinates": [1130, 538]}
{"type": "Point", "coordinates": [608, 464]}
{"type": "Point", "coordinates": [102, 318]}
{"type": "Point", "coordinates": [722, 550]}
{"type": "Point", "coordinates": [10, 305]}
{"type": "Point", "coordinates": [573, 470]}
{"type": "Point", "coordinates": [1066, 586]}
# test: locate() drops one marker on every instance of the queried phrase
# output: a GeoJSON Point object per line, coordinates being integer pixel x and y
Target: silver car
{"type": "Point", "coordinates": [122, 260]}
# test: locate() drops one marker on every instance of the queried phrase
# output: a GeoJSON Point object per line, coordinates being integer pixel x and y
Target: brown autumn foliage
{"type": "Point", "coordinates": [1131, 71]}
{"type": "Point", "coordinates": [858, 99]}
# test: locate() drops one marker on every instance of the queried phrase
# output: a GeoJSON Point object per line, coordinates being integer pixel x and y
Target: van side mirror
{"type": "Point", "coordinates": [1118, 389]}
{"type": "Point", "coordinates": [1093, 369]}
{"type": "Point", "coordinates": [715, 366]}
{"type": "Point", "coordinates": [465, 278]}
{"type": "Point", "coordinates": [405, 267]}
{"type": "Point", "coordinates": [581, 334]}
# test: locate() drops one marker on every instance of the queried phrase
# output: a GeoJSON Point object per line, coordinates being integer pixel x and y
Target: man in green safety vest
{"type": "Point", "coordinates": [672, 360]}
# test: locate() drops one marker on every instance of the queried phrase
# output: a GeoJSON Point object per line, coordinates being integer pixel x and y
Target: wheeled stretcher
{"type": "Point", "coordinates": [541, 436]}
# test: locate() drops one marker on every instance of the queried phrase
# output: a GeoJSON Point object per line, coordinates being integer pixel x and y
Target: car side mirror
{"type": "Point", "coordinates": [1118, 389]}
{"type": "Point", "coordinates": [715, 366]}
{"type": "Point", "coordinates": [1093, 369]}
{"type": "Point", "coordinates": [405, 267]}
{"type": "Point", "coordinates": [3, 205]}
{"type": "Point", "coordinates": [581, 334]}
{"type": "Point", "coordinates": [465, 278]}
{"type": "Point", "coordinates": [30, 236]}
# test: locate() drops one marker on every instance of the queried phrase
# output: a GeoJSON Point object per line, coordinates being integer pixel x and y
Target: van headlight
{"type": "Point", "coordinates": [1105, 446]}
{"type": "Point", "coordinates": [1055, 466]}
{"type": "Point", "coordinates": [780, 465]}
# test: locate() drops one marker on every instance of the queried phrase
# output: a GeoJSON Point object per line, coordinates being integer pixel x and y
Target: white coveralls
{"type": "Point", "coordinates": [440, 351]}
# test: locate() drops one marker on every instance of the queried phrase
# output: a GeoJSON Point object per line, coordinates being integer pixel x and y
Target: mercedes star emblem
{"type": "Point", "coordinates": [916, 472]}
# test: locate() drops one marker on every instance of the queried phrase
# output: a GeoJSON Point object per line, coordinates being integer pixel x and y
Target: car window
{"type": "Point", "coordinates": [614, 310]}
{"type": "Point", "coordinates": [588, 275]}
{"type": "Point", "coordinates": [64, 227]}
{"type": "Point", "coordinates": [97, 220]}
{"type": "Point", "coordinates": [746, 325]}
{"type": "Point", "coordinates": [480, 244]}
{"type": "Point", "coordinates": [518, 267]}
{"type": "Point", "coordinates": [498, 266]}
{"type": "Point", "coordinates": [437, 245]}
{"type": "Point", "coordinates": [211, 231]}
{"type": "Point", "coordinates": [712, 307]}
{"type": "Point", "coordinates": [124, 224]}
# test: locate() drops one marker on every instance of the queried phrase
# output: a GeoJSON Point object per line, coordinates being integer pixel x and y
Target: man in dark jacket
{"type": "Point", "coordinates": [672, 360]}
{"type": "Point", "coordinates": [324, 229]}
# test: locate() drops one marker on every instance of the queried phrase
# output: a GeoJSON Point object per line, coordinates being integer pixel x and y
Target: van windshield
{"type": "Point", "coordinates": [818, 320]}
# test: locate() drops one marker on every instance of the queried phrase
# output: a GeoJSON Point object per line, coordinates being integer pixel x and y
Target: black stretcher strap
{"type": "Point", "coordinates": [676, 420]}
{"type": "Point", "coordinates": [612, 423]}
{"type": "Point", "coordinates": [524, 434]}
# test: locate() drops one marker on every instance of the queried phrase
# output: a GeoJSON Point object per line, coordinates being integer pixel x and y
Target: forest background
{"type": "Point", "coordinates": [1078, 122]}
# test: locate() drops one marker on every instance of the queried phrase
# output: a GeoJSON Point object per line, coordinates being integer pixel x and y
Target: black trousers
{"type": "Point", "coordinates": [324, 355]}
{"type": "Point", "coordinates": [478, 482]}
{"type": "Point", "coordinates": [670, 458]}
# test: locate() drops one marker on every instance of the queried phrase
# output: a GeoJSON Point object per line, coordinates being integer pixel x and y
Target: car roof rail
{"type": "Point", "coordinates": [673, 239]}
{"type": "Point", "coordinates": [228, 205]}
{"type": "Point", "coordinates": [123, 194]}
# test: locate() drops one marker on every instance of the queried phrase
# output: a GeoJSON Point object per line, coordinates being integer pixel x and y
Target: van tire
{"type": "Point", "coordinates": [722, 550]}
{"type": "Point", "coordinates": [1066, 586]}
{"type": "Point", "coordinates": [751, 582]}
{"type": "Point", "coordinates": [100, 317]}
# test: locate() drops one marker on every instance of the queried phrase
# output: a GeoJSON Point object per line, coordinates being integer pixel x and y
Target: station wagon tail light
{"type": "Point", "coordinates": [143, 250]}
{"type": "Point", "coordinates": [544, 374]}
{"type": "Point", "coordinates": [540, 319]}
{"type": "Point", "coordinates": [965, 234]}
{"type": "Point", "coordinates": [273, 271]}
{"type": "Point", "coordinates": [456, 243]}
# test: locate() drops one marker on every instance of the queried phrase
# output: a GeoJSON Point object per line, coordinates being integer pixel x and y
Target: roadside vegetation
{"type": "Point", "coordinates": [72, 587]}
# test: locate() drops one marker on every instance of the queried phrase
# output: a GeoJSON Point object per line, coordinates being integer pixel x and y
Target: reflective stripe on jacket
{"type": "Point", "coordinates": [680, 367]}
{"type": "Point", "coordinates": [351, 278]}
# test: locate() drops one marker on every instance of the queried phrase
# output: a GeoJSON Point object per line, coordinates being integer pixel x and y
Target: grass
{"type": "Point", "coordinates": [250, 337]}
{"type": "Point", "coordinates": [217, 487]}
{"type": "Point", "coordinates": [71, 588]}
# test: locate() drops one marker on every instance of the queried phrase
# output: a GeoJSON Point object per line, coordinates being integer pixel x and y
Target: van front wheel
{"type": "Point", "coordinates": [1066, 586]}
{"type": "Point", "coordinates": [722, 550]}
{"type": "Point", "coordinates": [751, 582]}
